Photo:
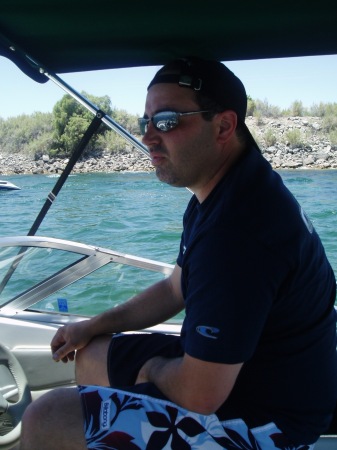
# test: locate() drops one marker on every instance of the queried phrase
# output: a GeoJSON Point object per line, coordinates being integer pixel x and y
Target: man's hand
{"type": "Point", "coordinates": [69, 338]}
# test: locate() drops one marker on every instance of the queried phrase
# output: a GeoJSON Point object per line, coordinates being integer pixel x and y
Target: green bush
{"type": "Point", "coordinates": [251, 106]}
{"type": "Point", "coordinates": [266, 110]}
{"type": "Point", "coordinates": [329, 122]}
{"type": "Point", "coordinates": [297, 109]}
{"type": "Point", "coordinates": [259, 117]}
{"type": "Point", "coordinates": [26, 133]}
{"type": "Point", "coordinates": [323, 109]}
{"type": "Point", "coordinates": [269, 137]}
{"type": "Point", "coordinates": [126, 120]}
{"type": "Point", "coordinates": [111, 142]}
{"type": "Point", "coordinates": [71, 120]}
{"type": "Point", "coordinates": [333, 137]}
{"type": "Point", "coordinates": [294, 138]}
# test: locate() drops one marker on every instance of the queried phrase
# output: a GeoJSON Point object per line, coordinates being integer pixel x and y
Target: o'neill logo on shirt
{"type": "Point", "coordinates": [105, 415]}
{"type": "Point", "coordinates": [207, 331]}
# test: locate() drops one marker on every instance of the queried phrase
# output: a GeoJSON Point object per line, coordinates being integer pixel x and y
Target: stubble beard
{"type": "Point", "coordinates": [168, 177]}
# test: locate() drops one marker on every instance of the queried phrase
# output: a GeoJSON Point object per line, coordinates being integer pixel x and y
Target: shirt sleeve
{"type": "Point", "coordinates": [230, 282]}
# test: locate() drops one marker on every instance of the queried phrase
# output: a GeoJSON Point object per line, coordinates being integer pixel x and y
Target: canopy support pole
{"type": "Point", "coordinates": [91, 130]}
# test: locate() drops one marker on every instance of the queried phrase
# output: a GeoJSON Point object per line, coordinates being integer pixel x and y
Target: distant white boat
{"type": "Point", "coordinates": [8, 186]}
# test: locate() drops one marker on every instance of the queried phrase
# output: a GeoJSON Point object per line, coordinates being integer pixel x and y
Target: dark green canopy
{"type": "Point", "coordinates": [78, 35]}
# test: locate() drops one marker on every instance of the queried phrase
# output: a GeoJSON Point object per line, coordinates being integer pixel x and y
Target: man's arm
{"type": "Point", "coordinates": [196, 385]}
{"type": "Point", "coordinates": [156, 304]}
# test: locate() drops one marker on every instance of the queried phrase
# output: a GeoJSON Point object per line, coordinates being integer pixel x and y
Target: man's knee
{"type": "Point", "coordinates": [32, 415]}
{"type": "Point", "coordinates": [54, 421]}
{"type": "Point", "coordinates": [30, 418]}
{"type": "Point", "coordinates": [38, 412]}
{"type": "Point", "coordinates": [91, 362]}
{"type": "Point", "coordinates": [42, 408]}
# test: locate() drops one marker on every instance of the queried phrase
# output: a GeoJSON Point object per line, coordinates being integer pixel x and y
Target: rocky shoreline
{"type": "Point", "coordinates": [315, 151]}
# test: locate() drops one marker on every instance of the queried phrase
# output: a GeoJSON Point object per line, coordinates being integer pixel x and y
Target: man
{"type": "Point", "coordinates": [256, 359]}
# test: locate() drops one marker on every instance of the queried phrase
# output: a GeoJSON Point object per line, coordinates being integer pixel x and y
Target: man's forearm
{"type": "Point", "coordinates": [196, 385]}
{"type": "Point", "coordinates": [156, 304]}
{"type": "Point", "coordinates": [164, 373]}
{"type": "Point", "coordinates": [170, 378]}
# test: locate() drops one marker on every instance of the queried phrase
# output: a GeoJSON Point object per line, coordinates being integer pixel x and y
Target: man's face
{"type": "Point", "coordinates": [187, 154]}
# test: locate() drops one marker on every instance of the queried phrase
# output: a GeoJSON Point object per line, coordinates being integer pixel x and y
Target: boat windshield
{"type": "Point", "coordinates": [64, 277]}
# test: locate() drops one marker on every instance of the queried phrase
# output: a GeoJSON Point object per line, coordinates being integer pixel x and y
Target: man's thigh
{"type": "Point", "coordinates": [91, 362]}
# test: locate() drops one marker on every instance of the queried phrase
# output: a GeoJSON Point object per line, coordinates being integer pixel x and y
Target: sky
{"type": "Point", "coordinates": [280, 82]}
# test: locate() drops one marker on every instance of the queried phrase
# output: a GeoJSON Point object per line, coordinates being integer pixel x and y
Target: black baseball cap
{"type": "Point", "coordinates": [212, 79]}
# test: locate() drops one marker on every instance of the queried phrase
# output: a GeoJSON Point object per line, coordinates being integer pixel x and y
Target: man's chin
{"type": "Point", "coordinates": [168, 178]}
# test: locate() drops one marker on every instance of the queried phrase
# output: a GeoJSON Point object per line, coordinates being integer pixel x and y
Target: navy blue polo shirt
{"type": "Point", "coordinates": [259, 289]}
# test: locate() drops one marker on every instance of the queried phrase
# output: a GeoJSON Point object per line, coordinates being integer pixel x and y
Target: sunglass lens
{"type": "Point", "coordinates": [165, 121]}
{"type": "Point", "coordinates": [143, 124]}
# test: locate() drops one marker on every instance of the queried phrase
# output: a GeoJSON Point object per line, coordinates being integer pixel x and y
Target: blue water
{"type": "Point", "coordinates": [134, 213]}
{"type": "Point", "coordinates": [129, 212]}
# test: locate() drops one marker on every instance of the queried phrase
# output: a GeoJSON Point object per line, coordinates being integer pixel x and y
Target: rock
{"type": "Point", "coordinates": [309, 160]}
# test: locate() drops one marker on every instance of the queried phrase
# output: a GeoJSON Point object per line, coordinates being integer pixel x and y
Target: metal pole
{"type": "Point", "coordinates": [91, 130]}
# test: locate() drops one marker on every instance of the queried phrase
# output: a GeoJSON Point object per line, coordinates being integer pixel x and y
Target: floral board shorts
{"type": "Point", "coordinates": [122, 420]}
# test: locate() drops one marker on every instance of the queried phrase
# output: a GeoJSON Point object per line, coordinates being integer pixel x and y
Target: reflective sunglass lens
{"type": "Point", "coordinates": [165, 121]}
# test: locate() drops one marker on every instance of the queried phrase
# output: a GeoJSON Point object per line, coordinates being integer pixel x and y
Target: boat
{"type": "Point", "coordinates": [46, 40]}
{"type": "Point", "coordinates": [8, 186]}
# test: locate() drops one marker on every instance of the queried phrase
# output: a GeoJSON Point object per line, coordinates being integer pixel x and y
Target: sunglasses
{"type": "Point", "coordinates": [164, 121]}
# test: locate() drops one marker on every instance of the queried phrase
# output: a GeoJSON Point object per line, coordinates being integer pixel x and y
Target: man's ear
{"type": "Point", "coordinates": [227, 122]}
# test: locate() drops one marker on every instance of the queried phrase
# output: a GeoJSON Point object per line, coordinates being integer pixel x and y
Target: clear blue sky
{"type": "Point", "coordinates": [279, 81]}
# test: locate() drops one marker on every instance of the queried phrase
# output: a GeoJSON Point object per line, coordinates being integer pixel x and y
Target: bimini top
{"type": "Point", "coordinates": [76, 35]}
